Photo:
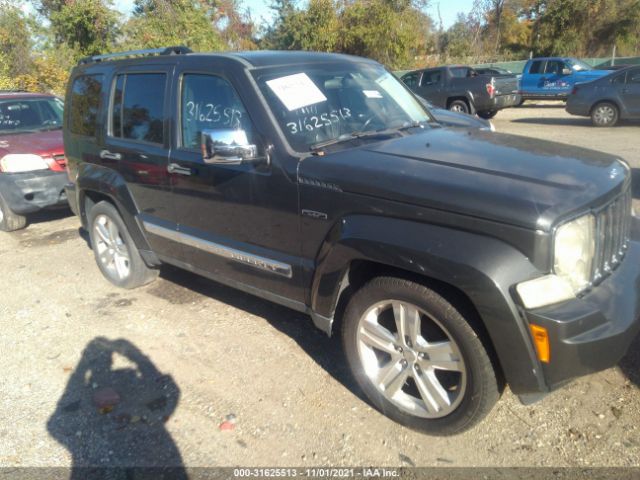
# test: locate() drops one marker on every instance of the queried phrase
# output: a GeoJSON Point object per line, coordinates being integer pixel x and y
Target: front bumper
{"type": "Point", "coordinates": [32, 191]}
{"type": "Point", "coordinates": [594, 332]}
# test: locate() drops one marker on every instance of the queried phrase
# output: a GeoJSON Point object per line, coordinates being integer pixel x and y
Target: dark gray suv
{"type": "Point", "coordinates": [449, 261]}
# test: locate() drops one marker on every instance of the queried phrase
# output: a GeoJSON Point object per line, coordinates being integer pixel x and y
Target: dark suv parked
{"type": "Point", "coordinates": [448, 260]}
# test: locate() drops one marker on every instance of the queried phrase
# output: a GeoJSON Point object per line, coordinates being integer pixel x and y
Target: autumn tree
{"type": "Point", "coordinates": [160, 23]}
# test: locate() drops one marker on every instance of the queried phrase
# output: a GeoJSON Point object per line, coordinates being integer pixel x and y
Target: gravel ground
{"type": "Point", "coordinates": [96, 375]}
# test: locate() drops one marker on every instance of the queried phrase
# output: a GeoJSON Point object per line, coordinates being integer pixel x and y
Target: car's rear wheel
{"type": "Point", "coordinates": [115, 252]}
{"type": "Point", "coordinates": [417, 358]}
{"type": "Point", "coordinates": [604, 114]}
{"type": "Point", "coordinates": [459, 106]}
{"type": "Point", "coordinates": [488, 115]}
{"type": "Point", "coordinates": [10, 221]}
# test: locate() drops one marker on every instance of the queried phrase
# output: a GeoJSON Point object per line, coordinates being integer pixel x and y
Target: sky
{"type": "Point", "coordinates": [260, 9]}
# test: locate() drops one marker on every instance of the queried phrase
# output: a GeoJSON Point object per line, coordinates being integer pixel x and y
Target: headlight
{"type": "Point", "coordinates": [15, 163]}
{"type": "Point", "coordinates": [574, 250]}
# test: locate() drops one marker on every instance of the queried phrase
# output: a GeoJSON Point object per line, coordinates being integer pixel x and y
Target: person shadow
{"type": "Point", "coordinates": [112, 414]}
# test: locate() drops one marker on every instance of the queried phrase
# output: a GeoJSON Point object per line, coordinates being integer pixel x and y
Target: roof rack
{"type": "Point", "coordinates": [177, 50]}
{"type": "Point", "coordinates": [13, 90]}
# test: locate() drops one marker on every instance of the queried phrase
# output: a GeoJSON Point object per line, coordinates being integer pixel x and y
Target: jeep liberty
{"type": "Point", "coordinates": [451, 261]}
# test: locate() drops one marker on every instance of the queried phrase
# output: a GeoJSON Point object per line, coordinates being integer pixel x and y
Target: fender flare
{"type": "Point", "coordinates": [111, 184]}
{"type": "Point", "coordinates": [483, 268]}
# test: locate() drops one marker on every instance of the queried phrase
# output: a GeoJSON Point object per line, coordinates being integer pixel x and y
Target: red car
{"type": "Point", "coordinates": [32, 161]}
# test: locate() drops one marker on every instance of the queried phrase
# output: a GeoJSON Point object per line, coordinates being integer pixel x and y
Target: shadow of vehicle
{"type": "Point", "coordinates": [635, 182]}
{"type": "Point", "coordinates": [326, 352]}
{"type": "Point", "coordinates": [49, 215]}
{"type": "Point", "coordinates": [112, 413]}
{"type": "Point", "coordinates": [630, 364]}
{"type": "Point", "coordinates": [539, 106]}
{"type": "Point", "coordinates": [569, 121]}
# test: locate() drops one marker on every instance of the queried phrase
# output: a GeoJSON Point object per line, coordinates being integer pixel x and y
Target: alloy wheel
{"type": "Point", "coordinates": [112, 251]}
{"type": "Point", "coordinates": [411, 359]}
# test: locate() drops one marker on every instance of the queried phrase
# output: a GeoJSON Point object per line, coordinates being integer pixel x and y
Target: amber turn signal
{"type": "Point", "coordinates": [541, 341]}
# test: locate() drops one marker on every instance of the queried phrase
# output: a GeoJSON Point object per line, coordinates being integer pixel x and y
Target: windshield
{"type": "Point", "coordinates": [316, 104]}
{"type": "Point", "coordinates": [20, 115]}
{"type": "Point", "coordinates": [578, 65]}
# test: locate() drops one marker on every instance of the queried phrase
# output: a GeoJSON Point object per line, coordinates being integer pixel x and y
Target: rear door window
{"type": "Point", "coordinates": [137, 111]}
{"type": "Point", "coordinates": [460, 72]}
{"type": "Point", "coordinates": [86, 100]}
{"type": "Point", "coordinates": [536, 68]}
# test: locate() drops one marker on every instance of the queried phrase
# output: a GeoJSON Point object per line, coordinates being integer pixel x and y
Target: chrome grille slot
{"type": "Point", "coordinates": [613, 224]}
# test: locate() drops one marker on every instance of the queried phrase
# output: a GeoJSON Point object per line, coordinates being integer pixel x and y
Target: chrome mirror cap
{"type": "Point", "coordinates": [226, 145]}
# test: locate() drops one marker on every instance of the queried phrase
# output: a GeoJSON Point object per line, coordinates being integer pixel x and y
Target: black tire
{"type": "Point", "coordinates": [460, 106]}
{"type": "Point", "coordinates": [138, 273]}
{"type": "Point", "coordinates": [488, 115]}
{"type": "Point", "coordinates": [520, 103]}
{"type": "Point", "coordinates": [605, 114]}
{"type": "Point", "coordinates": [10, 221]}
{"type": "Point", "coordinates": [482, 388]}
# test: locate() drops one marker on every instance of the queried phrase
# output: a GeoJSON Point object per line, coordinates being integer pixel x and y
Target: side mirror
{"type": "Point", "coordinates": [567, 71]}
{"type": "Point", "coordinates": [227, 146]}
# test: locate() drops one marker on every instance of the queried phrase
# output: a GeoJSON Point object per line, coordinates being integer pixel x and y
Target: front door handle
{"type": "Point", "coordinates": [175, 168]}
{"type": "Point", "coordinates": [107, 155]}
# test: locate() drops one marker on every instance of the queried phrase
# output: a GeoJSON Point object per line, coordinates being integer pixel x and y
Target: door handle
{"type": "Point", "coordinates": [175, 168]}
{"type": "Point", "coordinates": [107, 155]}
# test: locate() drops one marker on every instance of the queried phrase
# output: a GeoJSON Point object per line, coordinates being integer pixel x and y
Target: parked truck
{"type": "Point", "coordinates": [553, 78]}
{"type": "Point", "coordinates": [463, 89]}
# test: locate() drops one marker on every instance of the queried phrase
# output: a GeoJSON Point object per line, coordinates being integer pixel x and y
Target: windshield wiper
{"type": "Point", "coordinates": [366, 134]}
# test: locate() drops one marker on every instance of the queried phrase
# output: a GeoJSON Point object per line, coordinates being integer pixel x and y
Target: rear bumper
{"type": "Point", "coordinates": [506, 101]}
{"type": "Point", "coordinates": [496, 103]}
{"type": "Point", "coordinates": [575, 106]}
{"type": "Point", "coordinates": [594, 332]}
{"type": "Point", "coordinates": [32, 191]}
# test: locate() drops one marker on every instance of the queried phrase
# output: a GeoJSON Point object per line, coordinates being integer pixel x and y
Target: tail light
{"type": "Point", "coordinates": [491, 89]}
{"type": "Point", "coordinates": [575, 90]}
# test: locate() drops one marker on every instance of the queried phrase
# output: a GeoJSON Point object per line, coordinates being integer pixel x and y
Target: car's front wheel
{"type": "Point", "coordinates": [115, 252]}
{"type": "Point", "coordinates": [417, 358]}
{"type": "Point", "coordinates": [605, 114]}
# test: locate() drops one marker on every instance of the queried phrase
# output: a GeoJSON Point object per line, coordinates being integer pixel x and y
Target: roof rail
{"type": "Point", "coordinates": [177, 50]}
{"type": "Point", "coordinates": [13, 90]}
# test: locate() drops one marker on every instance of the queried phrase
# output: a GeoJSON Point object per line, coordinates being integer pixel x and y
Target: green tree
{"type": "Point", "coordinates": [15, 41]}
{"type": "Point", "coordinates": [87, 27]}
{"type": "Point", "coordinates": [160, 23]}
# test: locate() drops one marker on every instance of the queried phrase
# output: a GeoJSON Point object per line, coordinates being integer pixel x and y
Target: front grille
{"type": "Point", "coordinates": [613, 228]}
{"type": "Point", "coordinates": [60, 160]}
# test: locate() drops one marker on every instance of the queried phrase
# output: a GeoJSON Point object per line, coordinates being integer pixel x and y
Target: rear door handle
{"type": "Point", "coordinates": [107, 155]}
{"type": "Point", "coordinates": [175, 168]}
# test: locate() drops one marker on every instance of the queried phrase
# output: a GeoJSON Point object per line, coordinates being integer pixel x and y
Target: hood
{"type": "Point", "coordinates": [40, 143]}
{"type": "Point", "coordinates": [517, 180]}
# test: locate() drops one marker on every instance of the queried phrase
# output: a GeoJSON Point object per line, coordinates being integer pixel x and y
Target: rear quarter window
{"type": "Point", "coordinates": [85, 104]}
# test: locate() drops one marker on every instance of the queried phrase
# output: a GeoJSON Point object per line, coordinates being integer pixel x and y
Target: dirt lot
{"type": "Point", "coordinates": [222, 352]}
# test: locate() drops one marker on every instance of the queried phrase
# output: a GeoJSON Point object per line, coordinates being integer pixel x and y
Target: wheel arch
{"type": "Point", "coordinates": [606, 100]}
{"type": "Point", "coordinates": [95, 184]}
{"type": "Point", "coordinates": [474, 279]}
